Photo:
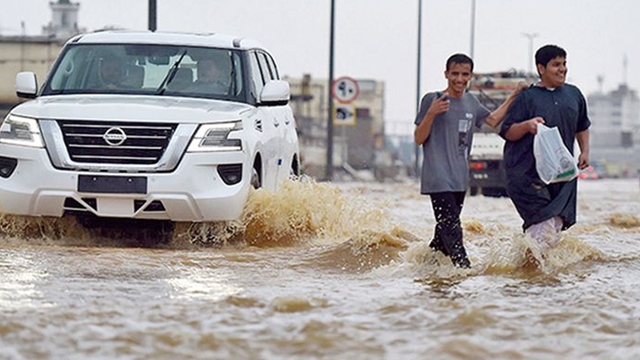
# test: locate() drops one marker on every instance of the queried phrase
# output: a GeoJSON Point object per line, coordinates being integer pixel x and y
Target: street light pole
{"type": "Point", "coordinates": [153, 15]}
{"type": "Point", "coordinates": [329, 167]}
{"type": "Point", "coordinates": [418, 77]}
{"type": "Point", "coordinates": [473, 28]}
{"type": "Point", "coordinates": [531, 36]}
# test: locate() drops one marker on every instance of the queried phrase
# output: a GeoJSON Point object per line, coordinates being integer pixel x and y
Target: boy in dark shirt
{"type": "Point", "coordinates": [545, 209]}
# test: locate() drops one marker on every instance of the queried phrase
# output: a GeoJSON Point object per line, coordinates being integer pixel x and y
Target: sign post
{"type": "Point", "coordinates": [345, 89]}
{"type": "Point", "coordinates": [345, 115]}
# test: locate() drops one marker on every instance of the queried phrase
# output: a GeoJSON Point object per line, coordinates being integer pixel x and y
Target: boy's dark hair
{"type": "Point", "coordinates": [459, 59]}
{"type": "Point", "coordinates": [548, 53]}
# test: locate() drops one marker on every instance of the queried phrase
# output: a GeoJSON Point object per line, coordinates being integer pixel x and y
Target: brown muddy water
{"type": "Point", "coordinates": [328, 271]}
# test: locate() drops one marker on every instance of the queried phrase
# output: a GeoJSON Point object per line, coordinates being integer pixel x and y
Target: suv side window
{"type": "Point", "coordinates": [256, 74]}
{"type": "Point", "coordinates": [267, 72]}
{"type": "Point", "coordinates": [272, 66]}
{"type": "Point", "coordinates": [264, 68]}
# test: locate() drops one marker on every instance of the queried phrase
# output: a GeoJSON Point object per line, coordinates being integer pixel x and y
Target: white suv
{"type": "Point", "coordinates": [145, 125]}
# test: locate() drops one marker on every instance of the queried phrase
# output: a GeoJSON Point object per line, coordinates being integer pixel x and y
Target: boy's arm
{"type": "Point", "coordinates": [518, 130]}
{"type": "Point", "coordinates": [583, 143]}
{"type": "Point", "coordinates": [498, 114]}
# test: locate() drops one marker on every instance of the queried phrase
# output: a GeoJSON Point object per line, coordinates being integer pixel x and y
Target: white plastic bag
{"type": "Point", "coordinates": [554, 162]}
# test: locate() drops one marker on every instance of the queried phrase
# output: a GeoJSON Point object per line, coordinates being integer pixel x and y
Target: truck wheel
{"type": "Point", "coordinates": [473, 191]}
{"type": "Point", "coordinates": [494, 192]}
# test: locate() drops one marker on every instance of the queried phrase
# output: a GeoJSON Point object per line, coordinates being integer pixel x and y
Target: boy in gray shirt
{"type": "Point", "coordinates": [444, 128]}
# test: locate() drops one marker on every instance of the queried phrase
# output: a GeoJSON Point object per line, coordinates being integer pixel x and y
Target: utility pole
{"type": "Point", "coordinates": [624, 70]}
{"type": "Point", "coordinates": [418, 77]}
{"type": "Point", "coordinates": [153, 15]}
{"type": "Point", "coordinates": [530, 61]}
{"type": "Point", "coordinates": [473, 28]}
{"type": "Point", "coordinates": [329, 167]}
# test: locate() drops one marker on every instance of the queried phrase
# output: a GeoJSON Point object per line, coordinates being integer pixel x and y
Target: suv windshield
{"type": "Point", "coordinates": [148, 70]}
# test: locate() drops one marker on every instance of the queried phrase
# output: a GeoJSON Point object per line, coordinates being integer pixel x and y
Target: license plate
{"type": "Point", "coordinates": [102, 184]}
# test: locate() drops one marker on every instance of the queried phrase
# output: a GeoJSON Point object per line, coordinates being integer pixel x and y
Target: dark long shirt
{"type": "Point", "coordinates": [566, 108]}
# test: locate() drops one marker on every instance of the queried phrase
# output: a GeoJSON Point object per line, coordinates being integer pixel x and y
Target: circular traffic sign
{"type": "Point", "coordinates": [345, 89]}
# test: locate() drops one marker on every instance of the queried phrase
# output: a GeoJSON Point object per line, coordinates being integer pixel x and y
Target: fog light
{"type": "Point", "coordinates": [231, 174]}
{"type": "Point", "coordinates": [7, 166]}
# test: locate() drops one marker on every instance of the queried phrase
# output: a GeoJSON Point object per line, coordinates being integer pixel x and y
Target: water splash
{"type": "Point", "coordinates": [364, 251]}
{"type": "Point", "coordinates": [351, 233]}
{"type": "Point", "coordinates": [18, 229]}
{"type": "Point", "coordinates": [307, 210]}
{"type": "Point", "coordinates": [624, 220]}
{"type": "Point", "coordinates": [520, 253]}
{"type": "Point", "coordinates": [302, 212]}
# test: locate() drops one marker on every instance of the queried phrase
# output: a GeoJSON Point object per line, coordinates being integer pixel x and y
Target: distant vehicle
{"type": "Point", "coordinates": [486, 167]}
{"type": "Point", "coordinates": [157, 146]}
{"type": "Point", "coordinates": [486, 170]}
{"type": "Point", "coordinates": [592, 172]}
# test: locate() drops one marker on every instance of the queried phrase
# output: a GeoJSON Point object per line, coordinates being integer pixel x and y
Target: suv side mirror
{"type": "Point", "coordinates": [26, 85]}
{"type": "Point", "coordinates": [275, 93]}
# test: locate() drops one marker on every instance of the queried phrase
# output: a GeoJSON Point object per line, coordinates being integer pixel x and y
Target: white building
{"type": "Point", "coordinates": [615, 118]}
{"type": "Point", "coordinates": [357, 144]}
{"type": "Point", "coordinates": [64, 20]}
{"type": "Point", "coordinates": [35, 53]}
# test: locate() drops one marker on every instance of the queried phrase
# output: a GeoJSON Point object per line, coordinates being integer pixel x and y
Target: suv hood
{"type": "Point", "coordinates": [131, 107]}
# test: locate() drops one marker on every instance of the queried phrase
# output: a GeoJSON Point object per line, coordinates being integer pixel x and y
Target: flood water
{"type": "Point", "coordinates": [328, 271]}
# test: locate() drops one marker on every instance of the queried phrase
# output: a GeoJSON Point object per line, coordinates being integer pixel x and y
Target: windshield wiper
{"type": "Point", "coordinates": [170, 75]}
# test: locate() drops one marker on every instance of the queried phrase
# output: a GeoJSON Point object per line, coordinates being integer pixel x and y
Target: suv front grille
{"type": "Point", "coordinates": [134, 143]}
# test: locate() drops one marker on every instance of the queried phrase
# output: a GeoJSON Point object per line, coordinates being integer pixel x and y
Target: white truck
{"type": "Point", "coordinates": [486, 168]}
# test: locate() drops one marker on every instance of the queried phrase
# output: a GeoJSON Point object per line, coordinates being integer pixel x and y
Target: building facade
{"type": "Point", "coordinates": [64, 21]}
{"type": "Point", "coordinates": [615, 118]}
{"type": "Point", "coordinates": [358, 144]}
{"type": "Point", "coordinates": [35, 53]}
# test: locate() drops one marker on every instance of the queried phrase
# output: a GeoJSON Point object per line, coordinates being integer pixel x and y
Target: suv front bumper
{"type": "Point", "coordinates": [194, 191]}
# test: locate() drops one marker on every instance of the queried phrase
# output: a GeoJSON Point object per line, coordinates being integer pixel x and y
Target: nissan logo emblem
{"type": "Point", "coordinates": [115, 136]}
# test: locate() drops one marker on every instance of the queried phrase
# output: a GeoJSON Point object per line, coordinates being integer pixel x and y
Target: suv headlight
{"type": "Point", "coordinates": [18, 130]}
{"type": "Point", "coordinates": [215, 137]}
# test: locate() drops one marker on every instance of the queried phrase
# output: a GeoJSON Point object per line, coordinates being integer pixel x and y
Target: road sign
{"type": "Point", "coordinates": [344, 115]}
{"type": "Point", "coordinates": [345, 89]}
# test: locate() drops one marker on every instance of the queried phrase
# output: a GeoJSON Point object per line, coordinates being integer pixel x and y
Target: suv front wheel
{"type": "Point", "coordinates": [256, 182]}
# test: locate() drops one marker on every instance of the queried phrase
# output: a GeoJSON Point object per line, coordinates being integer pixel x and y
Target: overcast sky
{"type": "Point", "coordinates": [377, 39]}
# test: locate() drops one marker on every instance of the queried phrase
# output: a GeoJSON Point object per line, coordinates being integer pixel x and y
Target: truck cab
{"type": "Point", "coordinates": [486, 167]}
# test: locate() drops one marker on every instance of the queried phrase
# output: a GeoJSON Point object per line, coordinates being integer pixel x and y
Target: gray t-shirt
{"type": "Point", "coordinates": [445, 165]}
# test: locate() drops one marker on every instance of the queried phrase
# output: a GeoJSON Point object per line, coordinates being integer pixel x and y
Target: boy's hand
{"type": "Point", "coordinates": [440, 105]}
